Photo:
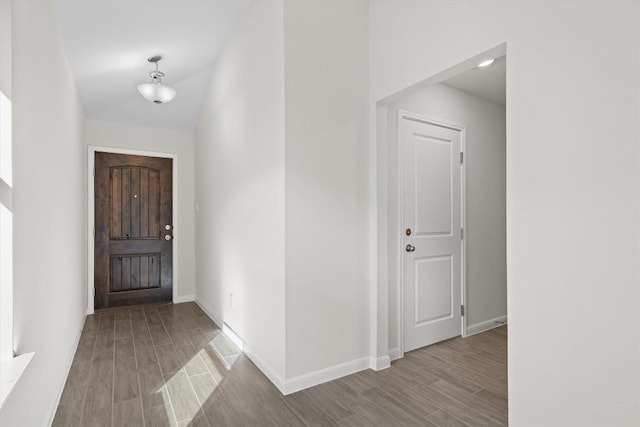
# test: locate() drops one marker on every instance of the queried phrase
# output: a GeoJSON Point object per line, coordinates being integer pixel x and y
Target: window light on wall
{"type": "Point", "coordinates": [6, 232]}
{"type": "Point", "coordinates": [11, 366]}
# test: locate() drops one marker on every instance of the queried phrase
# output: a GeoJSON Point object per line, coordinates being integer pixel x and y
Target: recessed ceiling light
{"type": "Point", "coordinates": [486, 63]}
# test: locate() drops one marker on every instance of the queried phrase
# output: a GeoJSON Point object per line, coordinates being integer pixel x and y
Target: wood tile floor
{"type": "Point", "coordinates": [169, 365]}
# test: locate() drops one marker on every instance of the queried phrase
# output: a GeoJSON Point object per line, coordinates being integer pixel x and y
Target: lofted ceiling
{"type": "Point", "coordinates": [487, 82]}
{"type": "Point", "coordinates": [108, 42]}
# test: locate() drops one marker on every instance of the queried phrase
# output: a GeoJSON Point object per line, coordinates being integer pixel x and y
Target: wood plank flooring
{"type": "Point", "coordinates": [169, 365]}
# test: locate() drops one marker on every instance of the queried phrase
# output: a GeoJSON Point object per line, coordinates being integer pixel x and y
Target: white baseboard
{"type": "Point", "coordinates": [184, 298]}
{"type": "Point", "coordinates": [219, 323]}
{"type": "Point", "coordinates": [322, 376]}
{"type": "Point", "coordinates": [303, 381]}
{"type": "Point", "coordinates": [394, 353]}
{"type": "Point", "coordinates": [380, 363]}
{"type": "Point", "coordinates": [486, 325]}
{"type": "Point", "coordinates": [176, 300]}
{"type": "Point", "coordinates": [68, 370]}
{"type": "Point", "coordinates": [235, 338]}
{"type": "Point", "coordinates": [266, 369]}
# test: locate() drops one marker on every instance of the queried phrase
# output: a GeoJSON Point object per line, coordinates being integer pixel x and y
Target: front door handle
{"type": "Point", "coordinates": [410, 248]}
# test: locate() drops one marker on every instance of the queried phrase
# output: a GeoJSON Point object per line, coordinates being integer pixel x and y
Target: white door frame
{"type": "Point", "coordinates": [91, 152]}
{"type": "Point", "coordinates": [404, 114]}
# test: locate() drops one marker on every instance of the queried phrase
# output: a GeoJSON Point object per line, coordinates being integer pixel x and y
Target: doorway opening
{"type": "Point", "coordinates": [431, 211]}
{"type": "Point", "coordinates": [472, 100]}
{"type": "Point", "coordinates": [132, 207]}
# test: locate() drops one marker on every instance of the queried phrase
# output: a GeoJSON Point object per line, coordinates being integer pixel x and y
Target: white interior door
{"type": "Point", "coordinates": [432, 234]}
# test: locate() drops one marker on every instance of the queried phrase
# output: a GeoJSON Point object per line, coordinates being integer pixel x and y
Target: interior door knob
{"type": "Point", "coordinates": [168, 237]}
{"type": "Point", "coordinates": [410, 248]}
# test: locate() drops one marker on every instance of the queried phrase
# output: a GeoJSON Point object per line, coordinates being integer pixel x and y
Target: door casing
{"type": "Point", "coordinates": [91, 150]}
{"type": "Point", "coordinates": [403, 114]}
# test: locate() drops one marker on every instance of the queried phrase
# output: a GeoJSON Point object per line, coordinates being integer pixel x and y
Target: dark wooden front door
{"type": "Point", "coordinates": [133, 230]}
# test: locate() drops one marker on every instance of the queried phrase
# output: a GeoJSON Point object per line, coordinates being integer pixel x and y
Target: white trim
{"type": "Point", "coordinates": [375, 287]}
{"type": "Point", "coordinates": [380, 363]}
{"type": "Point", "coordinates": [404, 114]}
{"type": "Point", "coordinates": [208, 312]}
{"type": "Point", "coordinates": [395, 354]}
{"type": "Point", "coordinates": [235, 338]}
{"type": "Point", "coordinates": [486, 325]}
{"type": "Point", "coordinates": [328, 374]}
{"type": "Point", "coordinates": [68, 370]}
{"type": "Point", "coordinates": [303, 381]}
{"type": "Point", "coordinates": [184, 298]}
{"type": "Point", "coordinates": [91, 150]}
{"type": "Point", "coordinates": [463, 222]}
{"type": "Point", "coordinates": [266, 369]}
{"type": "Point", "coordinates": [400, 218]}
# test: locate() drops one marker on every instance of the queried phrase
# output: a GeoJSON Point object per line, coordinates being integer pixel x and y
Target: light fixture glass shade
{"type": "Point", "coordinates": [156, 92]}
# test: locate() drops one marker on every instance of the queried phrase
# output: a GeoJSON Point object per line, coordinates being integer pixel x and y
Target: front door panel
{"type": "Point", "coordinates": [133, 240]}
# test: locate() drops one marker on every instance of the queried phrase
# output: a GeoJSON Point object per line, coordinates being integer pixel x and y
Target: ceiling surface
{"type": "Point", "coordinates": [487, 82]}
{"type": "Point", "coordinates": [107, 43]}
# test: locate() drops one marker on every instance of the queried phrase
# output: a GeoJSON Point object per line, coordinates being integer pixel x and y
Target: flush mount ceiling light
{"type": "Point", "coordinates": [155, 91]}
{"type": "Point", "coordinates": [486, 63]}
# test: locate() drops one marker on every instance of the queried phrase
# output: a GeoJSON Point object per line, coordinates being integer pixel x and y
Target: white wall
{"type": "Point", "coordinates": [49, 213]}
{"type": "Point", "coordinates": [485, 203]}
{"type": "Point", "coordinates": [240, 188]}
{"type": "Point", "coordinates": [326, 89]}
{"type": "Point", "coordinates": [6, 193]}
{"type": "Point", "coordinates": [294, 71]}
{"type": "Point", "coordinates": [164, 141]}
{"type": "Point", "coordinates": [572, 187]}
{"type": "Point", "coordinates": [5, 47]}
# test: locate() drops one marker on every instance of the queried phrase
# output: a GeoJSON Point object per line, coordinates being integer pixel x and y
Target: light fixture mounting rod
{"type": "Point", "coordinates": [156, 75]}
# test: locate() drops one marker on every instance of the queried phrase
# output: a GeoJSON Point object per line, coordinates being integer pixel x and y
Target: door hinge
{"type": "Point", "coordinates": [462, 234]}
{"type": "Point", "coordinates": [461, 157]}
{"type": "Point", "coordinates": [94, 292]}
{"type": "Point", "coordinates": [462, 310]}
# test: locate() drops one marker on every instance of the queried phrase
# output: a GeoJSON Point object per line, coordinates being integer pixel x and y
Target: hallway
{"type": "Point", "coordinates": [169, 365]}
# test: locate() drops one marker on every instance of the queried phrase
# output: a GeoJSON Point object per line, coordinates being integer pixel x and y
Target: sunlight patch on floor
{"type": "Point", "coordinates": [176, 389]}
{"type": "Point", "coordinates": [226, 350]}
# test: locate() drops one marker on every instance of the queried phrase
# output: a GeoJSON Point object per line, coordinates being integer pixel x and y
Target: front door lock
{"type": "Point", "coordinates": [410, 248]}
